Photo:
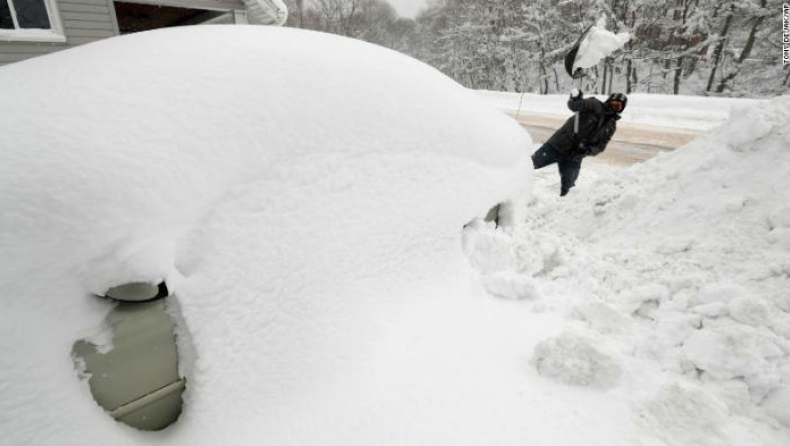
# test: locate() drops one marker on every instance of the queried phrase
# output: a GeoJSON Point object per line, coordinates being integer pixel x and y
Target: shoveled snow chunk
{"type": "Point", "coordinates": [750, 311]}
{"type": "Point", "coordinates": [780, 218]}
{"type": "Point", "coordinates": [575, 360]}
{"type": "Point", "coordinates": [598, 44]}
{"type": "Point", "coordinates": [602, 317]}
{"type": "Point", "coordinates": [777, 404]}
{"type": "Point", "coordinates": [735, 351]}
{"type": "Point", "coordinates": [509, 285]}
{"type": "Point", "coordinates": [684, 414]}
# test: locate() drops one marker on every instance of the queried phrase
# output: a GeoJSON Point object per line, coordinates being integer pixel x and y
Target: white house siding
{"type": "Point", "coordinates": [84, 21]}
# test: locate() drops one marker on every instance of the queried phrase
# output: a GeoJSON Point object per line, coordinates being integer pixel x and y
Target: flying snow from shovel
{"type": "Point", "coordinates": [598, 44]}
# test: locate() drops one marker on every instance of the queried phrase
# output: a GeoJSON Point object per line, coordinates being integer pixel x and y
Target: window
{"type": "Point", "coordinates": [136, 378]}
{"type": "Point", "coordinates": [29, 20]}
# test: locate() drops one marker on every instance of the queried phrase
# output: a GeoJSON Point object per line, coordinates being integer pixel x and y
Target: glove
{"type": "Point", "coordinates": [581, 151]}
{"type": "Point", "coordinates": [576, 94]}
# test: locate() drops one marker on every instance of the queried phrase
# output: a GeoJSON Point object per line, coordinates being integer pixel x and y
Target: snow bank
{"type": "Point", "coordinates": [303, 196]}
{"type": "Point", "coordinates": [679, 266]}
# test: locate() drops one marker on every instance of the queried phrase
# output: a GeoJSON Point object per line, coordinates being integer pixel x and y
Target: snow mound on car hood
{"type": "Point", "coordinates": [295, 189]}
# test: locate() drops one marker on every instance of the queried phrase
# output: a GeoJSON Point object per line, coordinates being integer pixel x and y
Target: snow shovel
{"type": "Point", "coordinates": [578, 73]}
{"type": "Point", "coordinates": [570, 58]}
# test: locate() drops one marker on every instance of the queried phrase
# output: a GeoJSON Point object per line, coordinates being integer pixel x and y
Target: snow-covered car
{"type": "Point", "coordinates": [302, 195]}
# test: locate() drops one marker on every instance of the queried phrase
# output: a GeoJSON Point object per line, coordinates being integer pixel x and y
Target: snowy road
{"type": "Point", "coordinates": [631, 144]}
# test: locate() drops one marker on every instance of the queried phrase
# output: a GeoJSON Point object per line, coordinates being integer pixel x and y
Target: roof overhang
{"type": "Point", "coordinates": [267, 12]}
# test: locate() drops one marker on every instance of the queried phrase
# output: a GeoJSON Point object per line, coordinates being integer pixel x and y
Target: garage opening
{"type": "Point", "coordinates": [136, 17]}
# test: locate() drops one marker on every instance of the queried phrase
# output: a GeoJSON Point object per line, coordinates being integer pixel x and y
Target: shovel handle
{"type": "Point", "coordinates": [576, 114]}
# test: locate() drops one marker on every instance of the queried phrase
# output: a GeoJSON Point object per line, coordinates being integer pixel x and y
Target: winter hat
{"type": "Point", "coordinates": [619, 97]}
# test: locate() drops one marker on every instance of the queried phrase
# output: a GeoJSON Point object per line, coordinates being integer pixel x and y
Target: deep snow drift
{"type": "Point", "coordinates": [302, 194]}
{"type": "Point", "coordinates": [675, 277]}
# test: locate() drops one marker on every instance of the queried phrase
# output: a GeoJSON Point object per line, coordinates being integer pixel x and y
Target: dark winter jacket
{"type": "Point", "coordinates": [597, 124]}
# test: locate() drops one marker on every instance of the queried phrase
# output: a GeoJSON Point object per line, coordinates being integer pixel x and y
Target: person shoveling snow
{"type": "Point", "coordinates": [590, 129]}
{"type": "Point", "coordinates": [586, 133]}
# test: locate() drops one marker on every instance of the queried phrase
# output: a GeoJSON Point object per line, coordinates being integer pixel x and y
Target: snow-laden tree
{"type": "Point", "coordinates": [747, 57]}
{"type": "Point", "coordinates": [718, 47]}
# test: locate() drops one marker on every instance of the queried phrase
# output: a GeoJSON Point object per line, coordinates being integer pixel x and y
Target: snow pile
{"type": "Point", "coordinates": [681, 267]}
{"type": "Point", "coordinates": [303, 196]}
{"type": "Point", "coordinates": [597, 44]}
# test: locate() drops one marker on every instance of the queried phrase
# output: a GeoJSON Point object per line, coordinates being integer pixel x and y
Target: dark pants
{"type": "Point", "coordinates": [569, 169]}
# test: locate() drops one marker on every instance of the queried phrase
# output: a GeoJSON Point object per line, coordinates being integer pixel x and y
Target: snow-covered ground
{"type": "Point", "coordinates": [673, 111]}
{"type": "Point", "coordinates": [308, 217]}
{"type": "Point", "coordinates": [674, 278]}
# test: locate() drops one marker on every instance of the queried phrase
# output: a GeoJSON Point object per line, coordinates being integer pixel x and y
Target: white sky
{"type": "Point", "coordinates": [408, 8]}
